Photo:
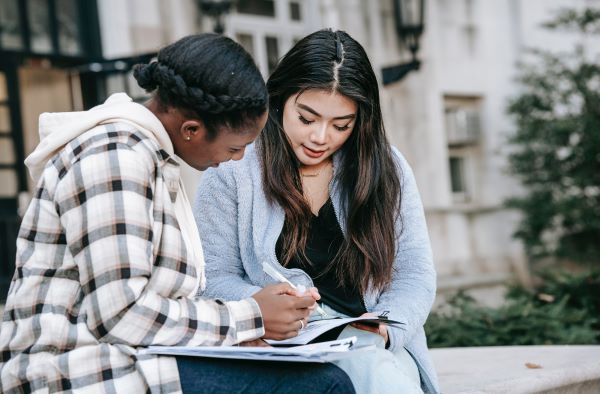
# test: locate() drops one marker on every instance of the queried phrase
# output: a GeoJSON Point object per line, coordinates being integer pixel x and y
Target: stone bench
{"type": "Point", "coordinates": [503, 369]}
{"type": "Point", "coordinates": [519, 369]}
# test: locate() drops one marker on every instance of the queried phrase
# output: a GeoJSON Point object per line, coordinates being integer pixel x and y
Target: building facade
{"type": "Point", "coordinates": [448, 118]}
{"type": "Point", "coordinates": [40, 40]}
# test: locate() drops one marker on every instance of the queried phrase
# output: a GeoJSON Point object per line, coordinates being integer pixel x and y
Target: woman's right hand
{"type": "Point", "coordinates": [283, 309]}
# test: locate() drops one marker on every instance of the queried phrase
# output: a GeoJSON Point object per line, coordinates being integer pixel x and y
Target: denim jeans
{"type": "Point", "coordinates": [210, 375]}
{"type": "Point", "coordinates": [379, 371]}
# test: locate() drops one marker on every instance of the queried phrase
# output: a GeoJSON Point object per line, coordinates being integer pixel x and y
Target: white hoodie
{"type": "Point", "coordinates": [58, 129]}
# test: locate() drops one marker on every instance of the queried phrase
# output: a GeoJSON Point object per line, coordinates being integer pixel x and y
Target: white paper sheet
{"type": "Point", "coordinates": [317, 352]}
{"type": "Point", "coordinates": [317, 327]}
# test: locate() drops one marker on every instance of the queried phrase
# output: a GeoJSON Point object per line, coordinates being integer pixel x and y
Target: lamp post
{"type": "Point", "coordinates": [409, 16]}
{"type": "Point", "coordinates": [216, 9]}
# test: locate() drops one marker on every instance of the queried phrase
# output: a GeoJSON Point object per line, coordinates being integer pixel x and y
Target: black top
{"type": "Point", "coordinates": [325, 238]}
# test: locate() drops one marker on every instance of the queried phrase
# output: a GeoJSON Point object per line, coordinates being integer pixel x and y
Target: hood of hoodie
{"type": "Point", "coordinates": [57, 129]}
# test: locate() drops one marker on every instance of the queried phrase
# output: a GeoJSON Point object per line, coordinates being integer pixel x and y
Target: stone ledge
{"type": "Point", "coordinates": [461, 282]}
{"type": "Point", "coordinates": [502, 369]}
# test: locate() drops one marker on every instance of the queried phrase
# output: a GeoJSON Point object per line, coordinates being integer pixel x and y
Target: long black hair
{"type": "Point", "coordinates": [369, 179]}
{"type": "Point", "coordinates": [208, 76]}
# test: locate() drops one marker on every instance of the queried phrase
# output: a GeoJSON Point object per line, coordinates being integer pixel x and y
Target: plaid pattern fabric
{"type": "Point", "coordinates": [101, 269]}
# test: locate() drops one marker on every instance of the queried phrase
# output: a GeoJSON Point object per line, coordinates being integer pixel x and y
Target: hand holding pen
{"type": "Point", "coordinates": [284, 312]}
{"type": "Point", "coordinates": [301, 289]}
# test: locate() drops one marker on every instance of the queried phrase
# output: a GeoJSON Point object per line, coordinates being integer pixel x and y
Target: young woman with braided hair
{"type": "Point", "coordinates": [323, 197]}
{"type": "Point", "coordinates": [109, 257]}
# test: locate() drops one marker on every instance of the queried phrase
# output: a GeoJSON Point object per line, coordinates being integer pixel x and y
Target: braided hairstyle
{"type": "Point", "coordinates": [209, 77]}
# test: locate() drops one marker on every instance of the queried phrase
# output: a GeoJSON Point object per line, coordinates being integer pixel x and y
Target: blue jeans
{"type": "Point", "coordinates": [379, 371]}
{"type": "Point", "coordinates": [210, 375]}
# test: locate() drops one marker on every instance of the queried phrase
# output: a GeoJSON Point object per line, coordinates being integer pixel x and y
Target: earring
{"type": "Point", "coordinates": [188, 138]}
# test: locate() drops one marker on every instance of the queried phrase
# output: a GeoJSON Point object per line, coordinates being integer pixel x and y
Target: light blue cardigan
{"type": "Point", "coordinates": [239, 229]}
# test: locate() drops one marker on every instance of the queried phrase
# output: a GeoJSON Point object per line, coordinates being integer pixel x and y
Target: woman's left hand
{"type": "Point", "coordinates": [381, 329]}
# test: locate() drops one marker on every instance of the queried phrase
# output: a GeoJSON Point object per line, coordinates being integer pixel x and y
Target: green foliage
{"type": "Point", "coordinates": [557, 148]}
{"type": "Point", "coordinates": [565, 309]}
{"type": "Point", "coordinates": [587, 20]}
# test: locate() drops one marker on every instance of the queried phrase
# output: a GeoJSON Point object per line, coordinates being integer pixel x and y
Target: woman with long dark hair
{"type": "Point", "coordinates": [325, 199]}
{"type": "Point", "coordinates": [109, 257]}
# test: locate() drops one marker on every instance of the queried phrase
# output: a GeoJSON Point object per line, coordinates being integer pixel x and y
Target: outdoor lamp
{"type": "Point", "coordinates": [409, 16]}
{"type": "Point", "coordinates": [216, 9]}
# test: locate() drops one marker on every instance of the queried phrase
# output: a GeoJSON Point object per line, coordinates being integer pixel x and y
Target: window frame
{"type": "Point", "coordinates": [282, 27]}
{"type": "Point", "coordinates": [88, 28]}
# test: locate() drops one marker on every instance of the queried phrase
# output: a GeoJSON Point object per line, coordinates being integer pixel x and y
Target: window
{"type": "Point", "coordinates": [3, 88]}
{"type": "Point", "coordinates": [8, 174]}
{"type": "Point", "coordinates": [246, 41]}
{"type": "Point", "coordinates": [5, 125]}
{"type": "Point", "coordinates": [10, 29]}
{"type": "Point", "coordinates": [39, 25]}
{"type": "Point", "coordinates": [68, 27]}
{"type": "Point", "coordinates": [462, 120]}
{"type": "Point", "coordinates": [256, 7]}
{"type": "Point", "coordinates": [457, 175]}
{"type": "Point", "coordinates": [463, 124]}
{"type": "Point", "coordinates": [7, 153]}
{"type": "Point", "coordinates": [4, 118]}
{"type": "Point", "coordinates": [461, 185]}
{"type": "Point", "coordinates": [295, 12]}
{"type": "Point", "coordinates": [58, 27]}
{"type": "Point", "coordinates": [268, 29]}
{"type": "Point", "coordinates": [8, 180]}
{"type": "Point", "coordinates": [272, 52]}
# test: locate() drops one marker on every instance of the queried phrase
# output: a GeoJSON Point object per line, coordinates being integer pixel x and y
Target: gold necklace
{"type": "Point", "coordinates": [315, 174]}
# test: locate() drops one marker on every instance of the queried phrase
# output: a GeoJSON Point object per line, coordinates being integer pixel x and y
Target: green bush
{"type": "Point", "coordinates": [555, 149]}
{"type": "Point", "coordinates": [564, 309]}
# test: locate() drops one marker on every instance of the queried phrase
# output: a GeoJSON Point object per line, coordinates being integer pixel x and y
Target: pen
{"type": "Point", "coordinates": [273, 273]}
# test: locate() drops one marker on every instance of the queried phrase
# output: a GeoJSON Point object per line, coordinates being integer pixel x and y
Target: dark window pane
{"type": "Point", "coordinates": [3, 88]}
{"type": "Point", "coordinates": [10, 29]}
{"type": "Point", "coordinates": [272, 52]}
{"type": "Point", "coordinates": [256, 7]}
{"type": "Point", "coordinates": [4, 119]}
{"type": "Point", "coordinates": [457, 175]}
{"type": "Point", "coordinates": [295, 13]}
{"type": "Point", "coordinates": [39, 26]}
{"type": "Point", "coordinates": [7, 153]}
{"type": "Point", "coordinates": [8, 182]}
{"type": "Point", "coordinates": [246, 41]}
{"type": "Point", "coordinates": [68, 27]}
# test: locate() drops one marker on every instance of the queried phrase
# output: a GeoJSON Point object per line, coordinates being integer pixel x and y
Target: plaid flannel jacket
{"type": "Point", "coordinates": [101, 269]}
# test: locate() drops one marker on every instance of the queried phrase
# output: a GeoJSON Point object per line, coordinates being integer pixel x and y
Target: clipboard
{"type": "Point", "coordinates": [313, 353]}
{"type": "Point", "coordinates": [327, 329]}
